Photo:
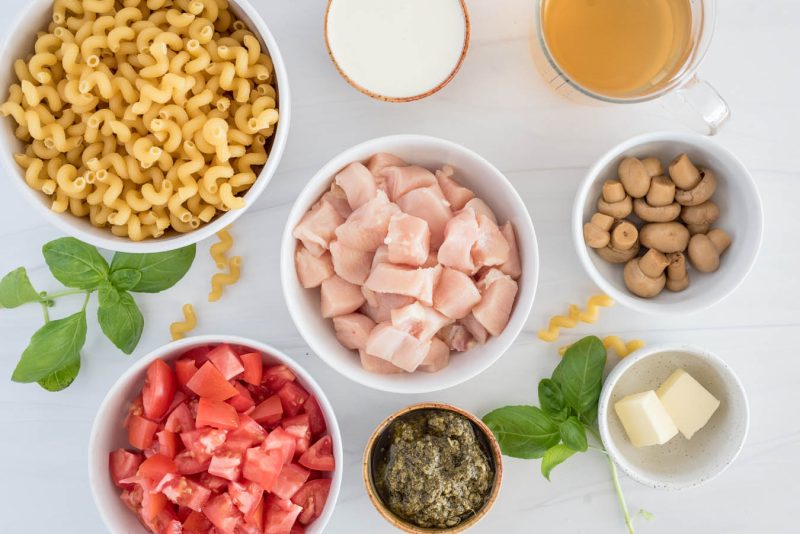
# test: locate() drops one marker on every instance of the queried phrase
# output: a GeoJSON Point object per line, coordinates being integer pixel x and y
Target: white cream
{"type": "Point", "coordinates": [396, 48]}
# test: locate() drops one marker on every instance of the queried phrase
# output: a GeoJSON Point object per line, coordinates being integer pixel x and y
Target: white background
{"type": "Point", "coordinates": [498, 106]}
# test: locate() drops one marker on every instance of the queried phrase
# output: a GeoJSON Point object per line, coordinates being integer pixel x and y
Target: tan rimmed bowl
{"type": "Point", "coordinates": [403, 98]}
{"type": "Point", "coordinates": [485, 437]}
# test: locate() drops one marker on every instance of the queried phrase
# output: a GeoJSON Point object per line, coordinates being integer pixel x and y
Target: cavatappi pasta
{"type": "Point", "coordinates": [614, 342]}
{"type": "Point", "coordinates": [219, 249]}
{"type": "Point", "coordinates": [575, 315]}
{"type": "Point", "coordinates": [220, 280]}
{"type": "Point", "coordinates": [179, 329]}
{"type": "Point", "coordinates": [143, 116]}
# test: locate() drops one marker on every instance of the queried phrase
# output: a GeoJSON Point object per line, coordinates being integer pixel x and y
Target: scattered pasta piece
{"type": "Point", "coordinates": [219, 249]}
{"type": "Point", "coordinates": [574, 315]}
{"type": "Point", "coordinates": [179, 329]}
{"type": "Point", "coordinates": [614, 342]}
{"type": "Point", "coordinates": [220, 280]}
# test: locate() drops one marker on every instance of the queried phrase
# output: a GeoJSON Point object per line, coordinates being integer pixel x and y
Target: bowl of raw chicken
{"type": "Point", "coordinates": [409, 263]}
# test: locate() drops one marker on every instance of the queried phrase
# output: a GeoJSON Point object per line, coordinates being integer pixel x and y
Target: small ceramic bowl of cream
{"type": "Point", "coordinates": [660, 395]}
{"type": "Point", "coordinates": [397, 51]}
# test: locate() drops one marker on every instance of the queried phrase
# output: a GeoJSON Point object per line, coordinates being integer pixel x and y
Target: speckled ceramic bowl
{"type": "Point", "coordinates": [679, 463]}
{"type": "Point", "coordinates": [485, 436]}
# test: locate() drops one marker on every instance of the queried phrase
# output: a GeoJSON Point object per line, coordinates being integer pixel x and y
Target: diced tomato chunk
{"type": "Point", "coordinates": [297, 528]}
{"type": "Point", "coordinates": [248, 434]}
{"type": "Point", "coordinates": [253, 367]}
{"type": "Point", "coordinates": [292, 397]}
{"type": "Point", "coordinates": [256, 515]}
{"type": "Point", "coordinates": [159, 389]}
{"type": "Point", "coordinates": [300, 428]}
{"type": "Point", "coordinates": [262, 467]}
{"type": "Point", "coordinates": [198, 354]}
{"type": "Point", "coordinates": [188, 463]}
{"type": "Point", "coordinates": [185, 368]}
{"type": "Point", "coordinates": [216, 414]}
{"type": "Point", "coordinates": [226, 464]}
{"type": "Point", "coordinates": [290, 480]}
{"type": "Point", "coordinates": [184, 491]}
{"type": "Point", "coordinates": [156, 467]}
{"type": "Point", "coordinates": [213, 482]}
{"type": "Point", "coordinates": [268, 412]}
{"type": "Point", "coordinates": [319, 456]}
{"type": "Point", "coordinates": [225, 359]}
{"type": "Point", "coordinates": [281, 440]}
{"type": "Point", "coordinates": [196, 523]}
{"type": "Point", "coordinates": [168, 443]}
{"type": "Point", "coordinates": [276, 376]}
{"type": "Point", "coordinates": [180, 420]}
{"type": "Point", "coordinates": [134, 408]}
{"type": "Point", "coordinates": [152, 501]}
{"type": "Point", "coordinates": [204, 441]}
{"type": "Point", "coordinates": [312, 497]}
{"type": "Point", "coordinates": [222, 513]}
{"type": "Point", "coordinates": [243, 401]}
{"type": "Point", "coordinates": [246, 497]}
{"type": "Point", "coordinates": [279, 515]}
{"type": "Point", "coordinates": [123, 464]}
{"type": "Point", "coordinates": [141, 431]}
{"type": "Point", "coordinates": [164, 521]}
{"type": "Point", "coordinates": [315, 418]}
{"type": "Point", "coordinates": [209, 383]}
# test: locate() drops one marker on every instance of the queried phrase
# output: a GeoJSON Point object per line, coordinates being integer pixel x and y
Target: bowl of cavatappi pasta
{"type": "Point", "coordinates": [142, 126]}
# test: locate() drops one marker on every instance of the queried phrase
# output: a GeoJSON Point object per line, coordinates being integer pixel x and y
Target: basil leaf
{"type": "Point", "coordinates": [159, 271]}
{"type": "Point", "coordinates": [554, 456]}
{"type": "Point", "coordinates": [52, 347]}
{"type": "Point", "coordinates": [551, 399]}
{"type": "Point", "coordinates": [125, 278]}
{"type": "Point", "coordinates": [573, 434]}
{"type": "Point", "coordinates": [580, 376]}
{"type": "Point", "coordinates": [107, 294]}
{"type": "Point", "coordinates": [16, 289]}
{"type": "Point", "coordinates": [522, 431]}
{"type": "Point", "coordinates": [62, 378]}
{"type": "Point", "coordinates": [121, 320]}
{"type": "Point", "coordinates": [74, 263]}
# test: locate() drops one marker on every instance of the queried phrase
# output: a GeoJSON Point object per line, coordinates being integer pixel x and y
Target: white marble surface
{"type": "Point", "coordinates": [498, 106]}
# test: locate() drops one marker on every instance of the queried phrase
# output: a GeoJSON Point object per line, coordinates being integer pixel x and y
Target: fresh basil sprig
{"type": "Point", "coordinates": [52, 358]}
{"type": "Point", "coordinates": [567, 417]}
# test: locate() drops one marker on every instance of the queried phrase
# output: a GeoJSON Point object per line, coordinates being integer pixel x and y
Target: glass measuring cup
{"type": "Point", "coordinates": [684, 93]}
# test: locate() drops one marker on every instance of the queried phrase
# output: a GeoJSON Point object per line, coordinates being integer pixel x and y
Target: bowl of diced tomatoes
{"type": "Point", "coordinates": [215, 434]}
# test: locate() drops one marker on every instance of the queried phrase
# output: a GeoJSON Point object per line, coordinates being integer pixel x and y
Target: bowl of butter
{"type": "Point", "coordinates": [673, 416]}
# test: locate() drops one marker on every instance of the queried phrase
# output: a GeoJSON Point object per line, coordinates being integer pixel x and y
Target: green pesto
{"type": "Point", "coordinates": [433, 471]}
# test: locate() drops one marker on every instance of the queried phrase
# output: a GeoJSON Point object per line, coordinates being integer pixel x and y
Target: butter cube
{"type": "Point", "coordinates": [645, 420]}
{"type": "Point", "coordinates": [688, 403]}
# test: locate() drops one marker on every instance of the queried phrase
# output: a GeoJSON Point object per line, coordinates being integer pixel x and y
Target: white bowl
{"type": "Point", "coordinates": [679, 463]}
{"type": "Point", "coordinates": [108, 434]}
{"type": "Point", "coordinates": [19, 44]}
{"type": "Point", "coordinates": [741, 216]}
{"type": "Point", "coordinates": [474, 172]}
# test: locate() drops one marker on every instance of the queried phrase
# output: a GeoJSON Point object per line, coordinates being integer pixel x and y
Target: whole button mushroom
{"type": "Point", "coordinates": [683, 172]}
{"type": "Point", "coordinates": [677, 275]}
{"type": "Point", "coordinates": [706, 213]}
{"type": "Point", "coordinates": [597, 232]}
{"type": "Point", "coordinates": [705, 250]}
{"type": "Point", "coordinates": [661, 192]}
{"type": "Point", "coordinates": [639, 282]}
{"type": "Point", "coordinates": [653, 166]}
{"type": "Point", "coordinates": [648, 213]}
{"type": "Point", "coordinates": [626, 237]}
{"type": "Point", "coordinates": [665, 237]}
{"type": "Point", "coordinates": [699, 193]}
{"type": "Point", "coordinates": [634, 177]}
{"type": "Point", "coordinates": [618, 210]}
{"type": "Point", "coordinates": [613, 191]}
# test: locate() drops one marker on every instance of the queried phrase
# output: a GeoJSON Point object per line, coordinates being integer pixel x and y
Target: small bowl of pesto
{"type": "Point", "coordinates": [432, 468]}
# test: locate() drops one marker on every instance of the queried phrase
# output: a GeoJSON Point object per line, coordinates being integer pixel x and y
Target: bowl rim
{"type": "Point", "coordinates": [653, 306]}
{"type": "Point", "coordinates": [137, 369]}
{"type": "Point", "coordinates": [604, 411]}
{"type": "Point", "coordinates": [288, 244]}
{"type": "Point", "coordinates": [75, 227]}
{"type": "Point", "coordinates": [383, 510]}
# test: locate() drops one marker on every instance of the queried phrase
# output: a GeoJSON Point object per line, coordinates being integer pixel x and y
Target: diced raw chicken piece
{"type": "Point", "coordinates": [432, 260]}
{"type": "Point", "coordinates": [311, 270]}
{"type": "Point", "coordinates": [408, 240]}
{"type": "Point", "coordinates": [358, 184]}
{"type": "Point", "coordinates": [338, 199]}
{"type": "Point", "coordinates": [475, 328]}
{"type": "Point", "coordinates": [420, 321]}
{"type": "Point", "coordinates": [353, 329]}
{"type": "Point", "coordinates": [494, 309]}
{"type": "Point", "coordinates": [381, 255]}
{"type": "Point", "coordinates": [338, 297]}
{"type": "Point", "coordinates": [456, 194]}
{"type": "Point", "coordinates": [366, 228]}
{"type": "Point", "coordinates": [489, 275]}
{"type": "Point", "coordinates": [456, 294]}
{"type": "Point", "coordinates": [437, 358]}
{"type": "Point", "coordinates": [316, 228]}
{"type": "Point", "coordinates": [512, 267]}
{"type": "Point", "coordinates": [401, 348]}
{"type": "Point", "coordinates": [401, 180]}
{"type": "Point", "coordinates": [373, 364]}
{"type": "Point", "coordinates": [380, 161]}
{"type": "Point", "coordinates": [351, 264]}
{"type": "Point", "coordinates": [479, 206]}
{"type": "Point", "coordinates": [491, 248]}
{"type": "Point", "coordinates": [379, 306]}
{"type": "Point", "coordinates": [428, 203]}
{"type": "Point", "coordinates": [417, 283]}
{"type": "Point", "coordinates": [460, 234]}
{"type": "Point", "coordinates": [457, 337]}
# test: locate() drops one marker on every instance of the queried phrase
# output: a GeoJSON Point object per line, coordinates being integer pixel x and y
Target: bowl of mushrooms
{"type": "Point", "coordinates": [668, 223]}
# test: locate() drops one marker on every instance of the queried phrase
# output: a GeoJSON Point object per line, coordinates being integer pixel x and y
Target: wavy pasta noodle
{"type": "Point", "coordinates": [179, 329]}
{"type": "Point", "coordinates": [219, 249]}
{"type": "Point", "coordinates": [574, 316]}
{"type": "Point", "coordinates": [220, 280]}
{"type": "Point", "coordinates": [621, 347]}
{"type": "Point", "coordinates": [127, 107]}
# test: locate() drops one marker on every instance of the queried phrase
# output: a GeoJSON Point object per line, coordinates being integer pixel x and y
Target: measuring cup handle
{"type": "Point", "coordinates": [703, 100]}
